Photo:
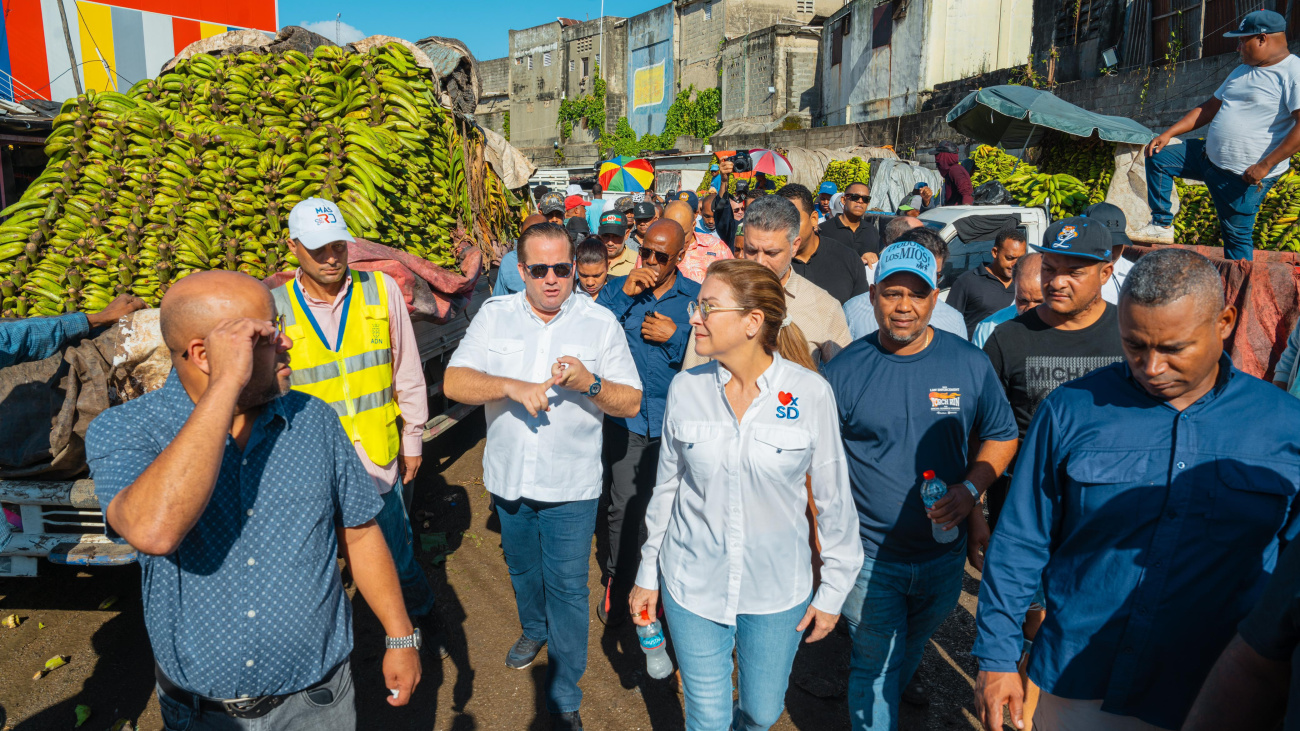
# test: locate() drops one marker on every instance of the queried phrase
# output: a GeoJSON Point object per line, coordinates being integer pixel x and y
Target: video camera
{"type": "Point", "coordinates": [741, 162]}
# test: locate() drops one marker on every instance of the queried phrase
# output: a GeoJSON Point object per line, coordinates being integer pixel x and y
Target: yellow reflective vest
{"type": "Point", "coordinates": [356, 379]}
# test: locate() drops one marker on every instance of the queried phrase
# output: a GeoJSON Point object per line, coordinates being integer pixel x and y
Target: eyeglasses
{"type": "Point", "coordinates": [563, 270]}
{"type": "Point", "coordinates": [855, 197]}
{"type": "Point", "coordinates": [648, 255]}
{"type": "Point", "coordinates": [705, 309]}
{"type": "Point", "coordinates": [279, 322]}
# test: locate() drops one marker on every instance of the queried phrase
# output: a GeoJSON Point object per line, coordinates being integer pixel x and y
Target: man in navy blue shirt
{"type": "Point", "coordinates": [236, 489]}
{"type": "Point", "coordinates": [912, 399]}
{"type": "Point", "coordinates": [1150, 498]}
{"type": "Point", "coordinates": [650, 304]}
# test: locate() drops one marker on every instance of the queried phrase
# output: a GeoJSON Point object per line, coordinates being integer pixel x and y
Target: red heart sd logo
{"type": "Point", "coordinates": [784, 397]}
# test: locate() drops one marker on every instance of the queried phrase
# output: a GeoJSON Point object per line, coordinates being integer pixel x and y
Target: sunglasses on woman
{"type": "Point", "coordinates": [563, 270]}
{"type": "Point", "coordinates": [855, 197]}
{"type": "Point", "coordinates": [705, 309]}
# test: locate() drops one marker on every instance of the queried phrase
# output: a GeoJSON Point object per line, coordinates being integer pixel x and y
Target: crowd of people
{"type": "Point", "coordinates": [786, 424]}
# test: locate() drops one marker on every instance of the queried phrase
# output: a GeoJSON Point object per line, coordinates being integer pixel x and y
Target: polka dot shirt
{"type": "Point", "coordinates": [251, 603]}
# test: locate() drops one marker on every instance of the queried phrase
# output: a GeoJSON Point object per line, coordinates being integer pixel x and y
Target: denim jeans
{"type": "Point", "coordinates": [1235, 202]}
{"type": "Point", "coordinates": [396, 527]}
{"type": "Point", "coordinates": [765, 645]}
{"type": "Point", "coordinates": [298, 712]}
{"type": "Point", "coordinates": [547, 549]}
{"type": "Point", "coordinates": [892, 610]}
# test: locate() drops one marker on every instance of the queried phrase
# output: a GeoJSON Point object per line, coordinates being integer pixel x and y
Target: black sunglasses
{"type": "Point", "coordinates": [563, 270]}
{"type": "Point", "coordinates": [855, 197]}
{"type": "Point", "coordinates": [662, 257]}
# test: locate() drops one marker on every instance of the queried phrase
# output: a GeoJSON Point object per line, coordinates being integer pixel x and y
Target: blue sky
{"type": "Point", "coordinates": [482, 24]}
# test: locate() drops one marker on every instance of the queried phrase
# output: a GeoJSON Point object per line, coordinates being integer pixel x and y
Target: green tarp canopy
{"type": "Point", "coordinates": [1016, 116]}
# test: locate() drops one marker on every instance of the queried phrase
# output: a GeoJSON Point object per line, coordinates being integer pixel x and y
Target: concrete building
{"type": "Point", "coordinates": [702, 26]}
{"type": "Point", "coordinates": [584, 50]}
{"type": "Point", "coordinates": [536, 84]}
{"type": "Point", "coordinates": [651, 86]}
{"type": "Point", "coordinates": [878, 58]}
{"type": "Point", "coordinates": [769, 79]}
{"type": "Point", "coordinates": [494, 95]}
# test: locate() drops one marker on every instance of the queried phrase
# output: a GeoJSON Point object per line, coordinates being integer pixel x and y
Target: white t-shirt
{"type": "Point", "coordinates": [1253, 98]}
{"type": "Point", "coordinates": [1110, 290]}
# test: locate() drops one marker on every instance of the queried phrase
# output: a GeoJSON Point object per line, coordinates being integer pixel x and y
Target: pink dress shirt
{"type": "Point", "coordinates": [408, 373]}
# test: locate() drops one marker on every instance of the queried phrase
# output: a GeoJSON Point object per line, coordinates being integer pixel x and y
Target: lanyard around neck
{"type": "Point", "coordinates": [343, 319]}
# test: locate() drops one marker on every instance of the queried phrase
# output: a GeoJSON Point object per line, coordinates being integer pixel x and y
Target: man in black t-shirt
{"type": "Point", "coordinates": [987, 288]}
{"type": "Point", "coordinates": [850, 229]}
{"type": "Point", "coordinates": [823, 262]}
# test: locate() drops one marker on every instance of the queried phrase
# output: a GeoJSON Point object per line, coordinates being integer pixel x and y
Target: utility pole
{"type": "Point", "coordinates": [338, 18]}
{"type": "Point", "coordinates": [67, 38]}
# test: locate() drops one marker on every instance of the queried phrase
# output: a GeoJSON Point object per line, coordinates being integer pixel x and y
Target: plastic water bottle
{"type": "Point", "coordinates": [932, 491]}
{"type": "Point", "coordinates": [657, 664]}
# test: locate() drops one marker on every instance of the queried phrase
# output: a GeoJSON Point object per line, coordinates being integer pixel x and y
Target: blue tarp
{"type": "Point", "coordinates": [1015, 116]}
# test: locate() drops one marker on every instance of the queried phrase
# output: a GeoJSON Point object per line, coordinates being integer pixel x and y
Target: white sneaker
{"type": "Point", "coordinates": [1154, 234]}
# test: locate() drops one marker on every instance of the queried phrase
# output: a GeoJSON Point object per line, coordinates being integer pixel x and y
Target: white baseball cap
{"type": "Point", "coordinates": [316, 222]}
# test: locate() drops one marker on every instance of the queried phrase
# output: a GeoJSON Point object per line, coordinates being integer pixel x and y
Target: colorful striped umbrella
{"type": "Point", "coordinates": [770, 162]}
{"type": "Point", "coordinates": [625, 174]}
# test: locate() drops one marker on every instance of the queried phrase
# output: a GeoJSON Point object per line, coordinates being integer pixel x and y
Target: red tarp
{"type": "Point", "coordinates": [1266, 293]}
{"type": "Point", "coordinates": [431, 292]}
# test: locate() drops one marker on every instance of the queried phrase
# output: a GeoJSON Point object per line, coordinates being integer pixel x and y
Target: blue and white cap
{"type": "Point", "coordinates": [907, 256]}
{"type": "Point", "coordinates": [316, 222]}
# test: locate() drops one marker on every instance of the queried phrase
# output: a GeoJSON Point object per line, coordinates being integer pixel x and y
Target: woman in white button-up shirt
{"type": "Point", "coordinates": [727, 525]}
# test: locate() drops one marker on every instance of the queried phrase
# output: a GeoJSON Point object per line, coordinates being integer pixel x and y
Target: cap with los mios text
{"type": "Point", "coordinates": [1078, 236]}
{"type": "Point", "coordinates": [907, 256]}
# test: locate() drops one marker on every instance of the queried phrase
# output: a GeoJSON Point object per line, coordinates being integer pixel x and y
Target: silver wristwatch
{"type": "Point", "coordinates": [400, 643]}
{"type": "Point", "coordinates": [974, 492]}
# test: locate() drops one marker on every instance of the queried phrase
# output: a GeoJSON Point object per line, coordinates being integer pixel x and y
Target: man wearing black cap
{"type": "Point", "coordinates": [552, 206]}
{"type": "Point", "coordinates": [576, 226]}
{"type": "Point", "coordinates": [1116, 222]}
{"type": "Point", "coordinates": [1073, 332]}
{"type": "Point", "coordinates": [957, 190]}
{"type": "Point", "coordinates": [644, 214]}
{"type": "Point", "coordinates": [1251, 137]}
{"type": "Point", "coordinates": [613, 234]}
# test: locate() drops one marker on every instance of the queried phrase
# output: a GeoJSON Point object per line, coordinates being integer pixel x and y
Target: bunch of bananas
{"type": "Point", "coordinates": [1089, 160]}
{"type": "Point", "coordinates": [1065, 194]}
{"type": "Point", "coordinates": [198, 169]}
{"type": "Point", "coordinates": [844, 173]}
{"type": "Point", "coordinates": [1276, 229]}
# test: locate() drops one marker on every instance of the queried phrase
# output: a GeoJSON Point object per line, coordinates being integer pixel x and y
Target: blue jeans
{"type": "Point", "coordinates": [547, 549]}
{"type": "Point", "coordinates": [396, 527]}
{"type": "Point", "coordinates": [892, 610]}
{"type": "Point", "coordinates": [765, 644]}
{"type": "Point", "coordinates": [1235, 202]}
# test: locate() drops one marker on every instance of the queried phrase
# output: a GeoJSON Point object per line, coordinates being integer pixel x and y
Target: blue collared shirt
{"type": "Point", "coordinates": [508, 279]}
{"type": "Point", "coordinates": [251, 603]}
{"type": "Point", "coordinates": [656, 363]}
{"type": "Point", "coordinates": [986, 326]}
{"type": "Point", "coordinates": [862, 317]}
{"type": "Point", "coordinates": [37, 338]}
{"type": "Point", "coordinates": [1153, 531]}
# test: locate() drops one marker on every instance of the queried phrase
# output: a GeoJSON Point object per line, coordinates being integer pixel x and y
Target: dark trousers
{"type": "Point", "coordinates": [630, 462]}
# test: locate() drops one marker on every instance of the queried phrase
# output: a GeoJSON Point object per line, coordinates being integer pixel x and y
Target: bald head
{"type": "Point", "coordinates": [681, 213]}
{"type": "Point", "coordinates": [194, 305]}
{"type": "Point", "coordinates": [667, 234]}
{"type": "Point", "coordinates": [532, 220]}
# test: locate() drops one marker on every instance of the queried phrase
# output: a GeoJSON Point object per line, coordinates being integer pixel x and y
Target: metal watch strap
{"type": "Point", "coordinates": [974, 491]}
{"type": "Point", "coordinates": [411, 641]}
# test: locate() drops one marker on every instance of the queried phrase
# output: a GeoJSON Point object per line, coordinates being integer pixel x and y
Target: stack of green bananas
{"type": "Point", "coordinates": [1065, 194]}
{"type": "Point", "coordinates": [1089, 160]}
{"type": "Point", "coordinates": [198, 169]}
{"type": "Point", "coordinates": [1276, 227]}
{"type": "Point", "coordinates": [844, 173]}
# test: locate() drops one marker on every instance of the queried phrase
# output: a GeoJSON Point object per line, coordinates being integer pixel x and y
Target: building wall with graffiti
{"type": "Point", "coordinates": [650, 79]}
{"type": "Point", "coordinates": [113, 44]}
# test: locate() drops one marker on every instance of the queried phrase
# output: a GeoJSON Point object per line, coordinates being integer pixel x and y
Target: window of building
{"type": "Point", "coordinates": [546, 58]}
{"type": "Point", "coordinates": [570, 65]}
{"type": "Point", "coordinates": [530, 62]}
{"type": "Point", "coordinates": [837, 40]}
{"type": "Point", "coordinates": [708, 10]}
{"type": "Point", "coordinates": [803, 7]}
{"type": "Point", "coordinates": [882, 25]}
{"type": "Point", "coordinates": [586, 66]}
{"type": "Point", "coordinates": [519, 60]}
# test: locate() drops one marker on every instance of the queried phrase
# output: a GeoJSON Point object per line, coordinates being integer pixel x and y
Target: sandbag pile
{"type": "Point", "coordinates": [199, 168]}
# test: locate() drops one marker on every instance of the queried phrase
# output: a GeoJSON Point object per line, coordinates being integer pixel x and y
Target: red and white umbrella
{"type": "Point", "coordinates": [770, 162]}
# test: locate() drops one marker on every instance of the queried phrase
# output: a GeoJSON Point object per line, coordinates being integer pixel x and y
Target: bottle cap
{"type": "Point", "coordinates": [927, 475]}
{"type": "Point", "coordinates": [645, 614]}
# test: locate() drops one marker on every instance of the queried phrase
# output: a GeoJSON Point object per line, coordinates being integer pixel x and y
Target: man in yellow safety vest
{"type": "Point", "coordinates": [354, 348]}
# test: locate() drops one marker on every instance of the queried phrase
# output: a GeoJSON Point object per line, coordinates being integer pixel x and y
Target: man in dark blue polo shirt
{"type": "Point", "coordinates": [650, 304]}
{"type": "Point", "coordinates": [1150, 498]}
{"type": "Point", "coordinates": [235, 490]}
{"type": "Point", "coordinates": [911, 399]}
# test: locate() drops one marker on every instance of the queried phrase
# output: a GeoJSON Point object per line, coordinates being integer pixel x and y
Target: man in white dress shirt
{"type": "Point", "coordinates": [547, 366]}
